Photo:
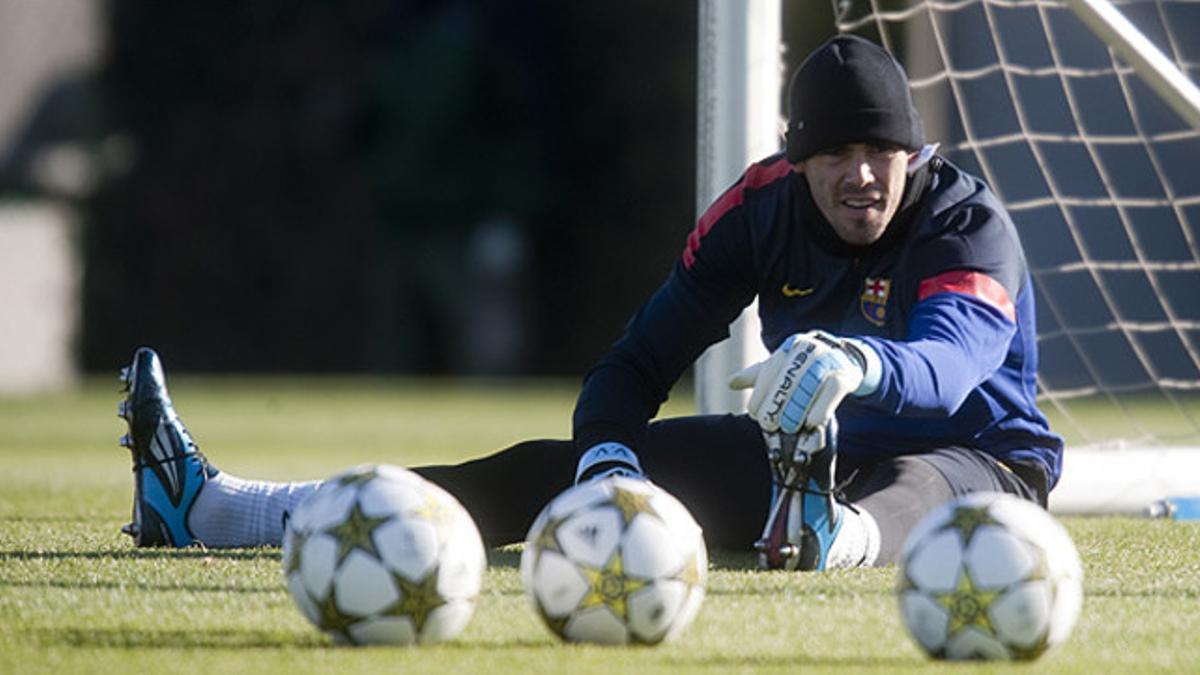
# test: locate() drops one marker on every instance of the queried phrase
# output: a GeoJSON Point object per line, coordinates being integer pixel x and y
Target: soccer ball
{"type": "Point", "coordinates": [379, 555]}
{"type": "Point", "coordinates": [615, 561]}
{"type": "Point", "coordinates": [989, 576]}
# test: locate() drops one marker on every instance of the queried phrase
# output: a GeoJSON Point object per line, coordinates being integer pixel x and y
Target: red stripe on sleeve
{"type": "Point", "coordinates": [975, 284]}
{"type": "Point", "coordinates": [756, 177]}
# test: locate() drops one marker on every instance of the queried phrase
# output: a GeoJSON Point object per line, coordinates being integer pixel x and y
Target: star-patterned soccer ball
{"type": "Point", "coordinates": [615, 561]}
{"type": "Point", "coordinates": [989, 576]}
{"type": "Point", "coordinates": [379, 555]}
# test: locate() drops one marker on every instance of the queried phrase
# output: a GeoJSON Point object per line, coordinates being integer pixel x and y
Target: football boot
{"type": "Point", "coordinates": [806, 514]}
{"type": "Point", "coordinates": [169, 470]}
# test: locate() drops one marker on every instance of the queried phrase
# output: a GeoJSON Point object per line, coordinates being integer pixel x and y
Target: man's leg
{"type": "Point", "coordinates": [715, 465]}
{"type": "Point", "coordinates": [181, 499]}
{"type": "Point", "coordinates": [898, 492]}
{"type": "Point", "coordinates": [505, 491]}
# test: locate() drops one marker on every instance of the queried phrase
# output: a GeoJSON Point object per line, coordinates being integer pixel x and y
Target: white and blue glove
{"type": "Point", "coordinates": [803, 382]}
{"type": "Point", "coordinates": [607, 459]}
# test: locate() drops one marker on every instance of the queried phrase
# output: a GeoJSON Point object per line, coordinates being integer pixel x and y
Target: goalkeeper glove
{"type": "Point", "coordinates": [607, 459]}
{"type": "Point", "coordinates": [803, 382]}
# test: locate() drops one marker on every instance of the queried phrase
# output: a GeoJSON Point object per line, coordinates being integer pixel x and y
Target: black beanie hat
{"type": "Point", "coordinates": [850, 90]}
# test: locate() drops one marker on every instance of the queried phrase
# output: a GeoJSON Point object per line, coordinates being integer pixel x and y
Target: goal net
{"type": "Point", "coordinates": [1101, 173]}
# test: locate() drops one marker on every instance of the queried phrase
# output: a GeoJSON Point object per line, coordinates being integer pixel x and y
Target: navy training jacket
{"type": "Point", "coordinates": [944, 297]}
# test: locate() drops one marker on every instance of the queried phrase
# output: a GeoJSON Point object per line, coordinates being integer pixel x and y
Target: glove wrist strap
{"type": "Point", "coordinates": [868, 360]}
{"type": "Point", "coordinates": [607, 459]}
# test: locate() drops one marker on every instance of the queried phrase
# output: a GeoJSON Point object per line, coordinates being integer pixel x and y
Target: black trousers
{"type": "Point", "coordinates": [717, 466]}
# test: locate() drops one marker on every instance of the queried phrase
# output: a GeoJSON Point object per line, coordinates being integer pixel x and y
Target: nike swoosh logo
{"type": "Point", "coordinates": [789, 292]}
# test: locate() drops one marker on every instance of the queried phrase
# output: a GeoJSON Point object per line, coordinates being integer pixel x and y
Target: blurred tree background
{"type": "Point", "coordinates": [463, 186]}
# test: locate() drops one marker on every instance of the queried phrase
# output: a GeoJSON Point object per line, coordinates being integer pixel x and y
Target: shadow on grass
{"type": "Point", "coordinates": [778, 590]}
{"type": "Point", "coordinates": [143, 586]}
{"type": "Point", "coordinates": [144, 554]}
{"type": "Point", "coordinates": [142, 638]}
{"type": "Point", "coordinates": [57, 518]}
{"type": "Point", "coordinates": [196, 555]}
{"type": "Point", "coordinates": [149, 638]}
{"type": "Point", "coordinates": [164, 639]}
{"type": "Point", "coordinates": [796, 662]}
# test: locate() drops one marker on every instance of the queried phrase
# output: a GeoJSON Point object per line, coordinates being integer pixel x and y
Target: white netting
{"type": "Point", "coordinates": [1102, 179]}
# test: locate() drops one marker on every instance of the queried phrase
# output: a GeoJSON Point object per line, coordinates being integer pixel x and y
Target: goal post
{"type": "Point", "coordinates": [1111, 26]}
{"type": "Point", "coordinates": [739, 76]}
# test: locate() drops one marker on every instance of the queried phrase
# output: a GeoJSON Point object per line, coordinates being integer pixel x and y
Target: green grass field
{"type": "Point", "coordinates": [76, 597]}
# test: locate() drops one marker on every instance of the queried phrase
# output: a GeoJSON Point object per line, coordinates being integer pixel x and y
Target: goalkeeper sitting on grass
{"type": "Point", "coordinates": [894, 296]}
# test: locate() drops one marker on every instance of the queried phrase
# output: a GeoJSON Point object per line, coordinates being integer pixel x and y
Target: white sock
{"type": "Point", "coordinates": [231, 512]}
{"type": "Point", "coordinates": [857, 544]}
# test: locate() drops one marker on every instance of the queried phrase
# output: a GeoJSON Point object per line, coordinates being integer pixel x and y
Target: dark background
{"type": "Point", "coordinates": [494, 186]}
{"type": "Point", "coordinates": [463, 186]}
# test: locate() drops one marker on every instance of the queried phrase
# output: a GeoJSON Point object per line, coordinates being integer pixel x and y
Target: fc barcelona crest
{"type": "Point", "coordinates": [874, 299]}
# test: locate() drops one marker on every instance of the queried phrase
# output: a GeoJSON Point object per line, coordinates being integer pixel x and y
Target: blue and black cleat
{"type": "Point", "coordinates": [805, 516]}
{"type": "Point", "coordinates": [169, 470]}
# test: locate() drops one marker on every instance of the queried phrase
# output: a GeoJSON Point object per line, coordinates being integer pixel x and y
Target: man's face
{"type": "Point", "coordinates": [858, 188]}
